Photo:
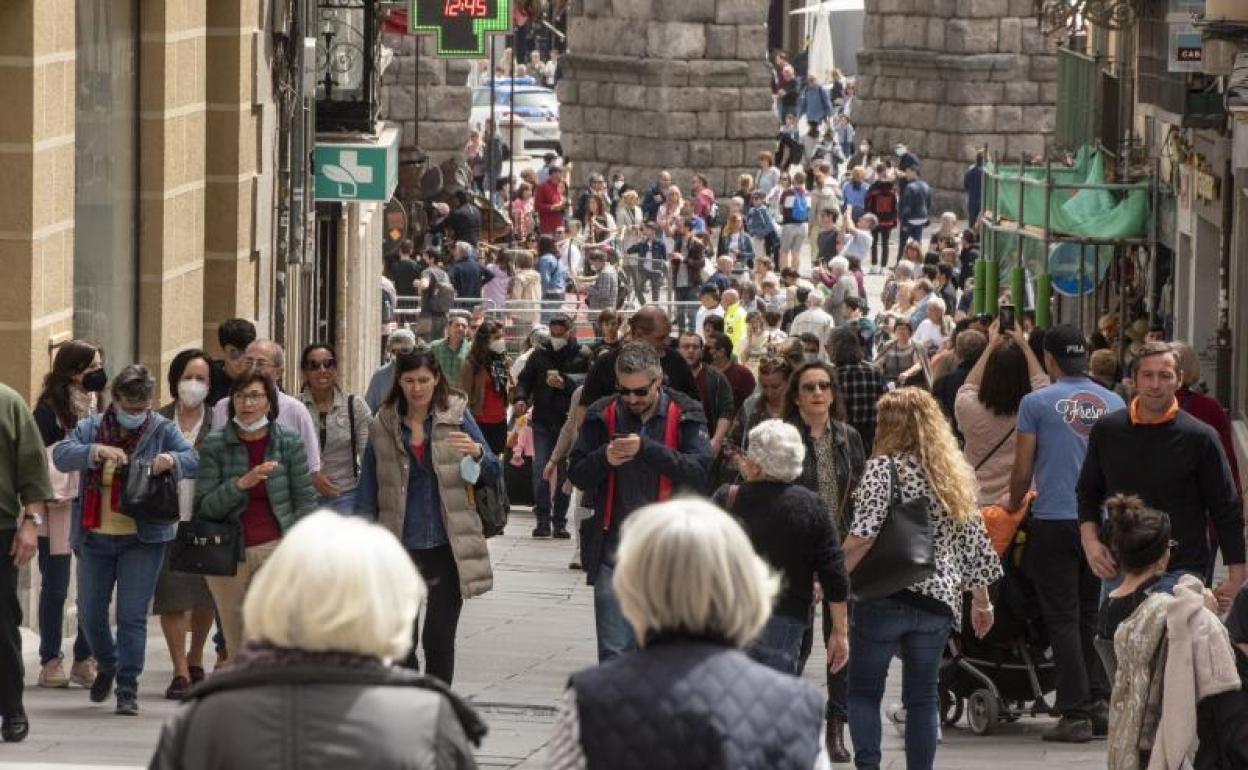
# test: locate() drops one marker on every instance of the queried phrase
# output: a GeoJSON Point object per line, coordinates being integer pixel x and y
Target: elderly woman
{"type": "Point", "coordinates": [903, 361]}
{"type": "Point", "coordinates": [936, 328]}
{"type": "Point", "coordinates": [916, 451]}
{"type": "Point", "coordinates": [116, 550]}
{"type": "Point", "coordinates": [790, 528]}
{"type": "Point", "coordinates": [831, 468]}
{"type": "Point", "coordinates": [694, 592]}
{"type": "Point", "coordinates": [254, 473]}
{"type": "Point", "coordinates": [313, 686]}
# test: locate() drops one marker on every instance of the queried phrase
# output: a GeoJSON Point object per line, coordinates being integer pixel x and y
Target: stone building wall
{"type": "Point", "coordinates": [657, 84]}
{"type": "Point", "coordinates": [947, 77]}
{"type": "Point", "coordinates": [442, 95]}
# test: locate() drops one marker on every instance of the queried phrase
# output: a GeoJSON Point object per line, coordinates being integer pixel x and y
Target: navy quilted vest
{"type": "Point", "coordinates": [695, 705]}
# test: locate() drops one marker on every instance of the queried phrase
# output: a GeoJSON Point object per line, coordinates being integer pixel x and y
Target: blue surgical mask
{"type": "Point", "coordinates": [252, 427]}
{"type": "Point", "coordinates": [130, 421]}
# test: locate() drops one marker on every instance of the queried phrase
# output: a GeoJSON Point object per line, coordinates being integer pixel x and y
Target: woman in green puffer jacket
{"type": "Point", "coordinates": [253, 472]}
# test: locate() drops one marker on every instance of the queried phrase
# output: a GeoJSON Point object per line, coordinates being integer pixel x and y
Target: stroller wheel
{"type": "Point", "coordinates": [982, 712]}
{"type": "Point", "coordinates": [951, 708]}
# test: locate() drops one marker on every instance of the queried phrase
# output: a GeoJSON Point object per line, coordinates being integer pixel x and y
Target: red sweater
{"type": "Point", "coordinates": [549, 204]}
{"type": "Point", "coordinates": [1210, 412]}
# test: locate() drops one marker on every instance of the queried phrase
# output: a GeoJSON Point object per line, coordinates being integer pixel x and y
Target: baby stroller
{"type": "Point", "coordinates": [1007, 674]}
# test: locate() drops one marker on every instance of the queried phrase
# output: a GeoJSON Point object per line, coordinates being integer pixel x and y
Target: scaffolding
{"type": "Point", "coordinates": [1029, 221]}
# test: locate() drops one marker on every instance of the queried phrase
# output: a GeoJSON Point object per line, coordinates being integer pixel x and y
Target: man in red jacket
{"type": "Point", "coordinates": [550, 203]}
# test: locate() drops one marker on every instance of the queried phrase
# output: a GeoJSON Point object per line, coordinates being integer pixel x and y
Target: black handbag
{"type": "Point", "coordinates": [150, 498]}
{"type": "Point", "coordinates": [902, 553]}
{"type": "Point", "coordinates": [204, 547]}
{"type": "Point", "coordinates": [493, 506]}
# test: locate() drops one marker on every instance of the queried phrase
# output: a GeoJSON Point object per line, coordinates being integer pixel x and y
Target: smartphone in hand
{"type": "Point", "coordinates": [1006, 315]}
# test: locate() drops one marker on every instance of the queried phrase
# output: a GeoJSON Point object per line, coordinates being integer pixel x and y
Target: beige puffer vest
{"type": "Point", "coordinates": [463, 525]}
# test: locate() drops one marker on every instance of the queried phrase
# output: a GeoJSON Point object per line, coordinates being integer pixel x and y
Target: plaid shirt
{"type": "Point", "coordinates": [862, 384]}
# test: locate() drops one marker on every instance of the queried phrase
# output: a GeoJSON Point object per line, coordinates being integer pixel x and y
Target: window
{"type": "Point", "coordinates": [105, 257]}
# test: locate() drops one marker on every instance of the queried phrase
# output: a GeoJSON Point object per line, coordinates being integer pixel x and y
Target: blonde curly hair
{"type": "Point", "coordinates": [910, 422]}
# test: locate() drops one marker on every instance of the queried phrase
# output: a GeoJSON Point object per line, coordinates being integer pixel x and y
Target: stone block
{"type": "Point", "coordinates": [1023, 8]}
{"type": "Point", "coordinates": [659, 153]}
{"type": "Point", "coordinates": [983, 9]}
{"type": "Point", "coordinates": [1012, 68]}
{"type": "Point", "coordinates": [882, 87]}
{"type": "Point", "coordinates": [629, 96]}
{"type": "Point", "coordinates": [970, 144]}
{"type": "Point", "coordinates": [1033, 40]}
{"type": "Point", "coordinates": [675, 40]}
{"type": "Point", "coordinates": [729, 154]}
{"type": "Point", "coordinates": [894, 32]}
{"type": "Point", "coordinates": [626, 121]}
{"type": "Point", "coordinates": [674, 125]}
{"type": "Point", "coordinates": [1022, 92]}
{"type": "Point", "coordinates": [686, 10]}
{"type": "Point", "coordinates": [944, 9]}
{"type": "Point", "coordinates": [1010, 36]}
{"type": "Point", "coordinates": [752, 125]}
{"type": "Point", "coordinates": [1043, 68]}
{"type": "Point", "coordinates": [740, 12]}
{"type": "Point", "coordinates": [566, 91]}
{"type": "Point", "coordinates": [935, 37]}
{"type": "Point", "coordinates": [1029, 145]}
{"type": "Point", "coordinates": [1048, 92]}
{"type": "Point", "coordinates": [1040, 118]}
{"type": "Point", "coordinates": [571, 118]}
{"type": "Point", "coordinates": [717, 179]}
{"type": "Point", "coordinates": [907, 89]}
{"type": "Point", "coordinates": [446, 102]}
{"type": "Point", "coordinates": [721, 41]}
{"type": "Point", "coordinates": [717, 72]}
{"type": "Point", "coordinates": [980, 93]}
{"type": "Point", "coordinates": [401, 102]}
{"type": "Point", "coordinates": [1009, 119]}
{"type": "Point", "coordinates": [458, 71]}
{"type": "Point", "coordinates": [915, 34]}
{"type": "Point", "coordinates": [597, 120]}
{"type": "Point", "coordinates": [751, 41]}
{"type": "Point", "coordinates": [713, 125]}
{"type": "Point", "coordinates": [612, 148]}
{"type": "Point", "coordinates": [976, 118]}
{"type": "Point", "coordinates": [632, 9]}
{"type": "Point", "coordinates": [891, 7]}
{"type": "Point", "coordinates": [701, 155]}
{"type": "Point", "coordinates": [723, 99]}
{"type": "Point", "coordinates": [872, 31]}
{"type": "Point", "coordinates": [755, 99]}
{"type": "Point", "coordinates": [668, 73]}
{"type": "Point", "coordinates": [971, 35]}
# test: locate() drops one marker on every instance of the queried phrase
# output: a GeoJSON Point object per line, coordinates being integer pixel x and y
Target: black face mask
{"type": "Point", "coordinates": [95, 382]}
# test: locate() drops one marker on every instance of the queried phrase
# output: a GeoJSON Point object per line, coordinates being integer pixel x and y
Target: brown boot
{"type": "Point", "coordinates": [836, 741]}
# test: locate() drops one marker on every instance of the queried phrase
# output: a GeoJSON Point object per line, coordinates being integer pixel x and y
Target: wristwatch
{"type": "Point", "coordinates": [32, 516]}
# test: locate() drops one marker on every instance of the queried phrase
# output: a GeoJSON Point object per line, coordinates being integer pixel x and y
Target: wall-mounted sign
{"type": "Point", "coordinates": [1187, 48]}
{"type": "Point", "coordinates": [1207, 187]}
{"type": "Point", "coordinates": [357, 171]}
{"type": "Point", "coordinates": [461, 26]}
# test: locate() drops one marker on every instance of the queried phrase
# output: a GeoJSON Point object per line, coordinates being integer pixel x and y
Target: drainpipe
{"type": "Point", "coordinates": [1222, 337]}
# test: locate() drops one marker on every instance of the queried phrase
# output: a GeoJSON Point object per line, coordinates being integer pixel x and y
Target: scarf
{"type": "Point", "coordinates": [264, 655]}
{"type": "Point", "coordinates": [110, 433]}
{"type": "Point", "coordinates": [81, 403]}
{"type": "Point", "coordinates": [498, 373]}
{"type": "Point", "coordinates": [1171, 412]}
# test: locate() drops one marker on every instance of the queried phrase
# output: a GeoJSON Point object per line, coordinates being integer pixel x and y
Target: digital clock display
{"type": "Point", "coordinates": [461, 26]}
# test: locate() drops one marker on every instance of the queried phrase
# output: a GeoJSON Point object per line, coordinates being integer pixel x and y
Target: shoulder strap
{"type": "Point", "coordinates": [671, 436]}
{"type": "Point", "coordinates": [894, 482]}
{"type": "Point", "coordinates": [730, 502]}
{"type": "Point", "coordinates": [355, 459]}
{"type": "Point", "coordinates": [1000, 444]}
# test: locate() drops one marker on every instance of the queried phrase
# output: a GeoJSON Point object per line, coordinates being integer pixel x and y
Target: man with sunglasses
{"type": "Point", "coordinates": [641, 445]}
{"type": "Point", "coordinates": [233, 335]}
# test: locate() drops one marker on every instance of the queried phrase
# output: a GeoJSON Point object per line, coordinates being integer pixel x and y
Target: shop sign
{"type": "Point", "coordinates": [1187, 48]}
{"type": "Point", "coordinates": [357, 171]}
{"type": "Point", "coordinates": [462, 27]}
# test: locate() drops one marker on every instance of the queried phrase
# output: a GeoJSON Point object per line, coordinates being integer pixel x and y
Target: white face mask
{"type": "Point", "coordinates": [498, 346]}
{"type": "Point", "coordinates": [259, 424]}
{"type": "Point", "coordinates": [192, 392]}
{"type": "Point", "coordinates": [558, 343]}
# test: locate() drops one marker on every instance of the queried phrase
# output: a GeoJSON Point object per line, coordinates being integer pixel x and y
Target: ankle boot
{"type": "Point", "coordinates": [836, 741]}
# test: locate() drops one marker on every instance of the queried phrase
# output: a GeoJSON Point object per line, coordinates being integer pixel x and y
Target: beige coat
{"type": "Point", "coordinates": [526, 291]}
{"type": "Point", "coordinates": [463, 525]}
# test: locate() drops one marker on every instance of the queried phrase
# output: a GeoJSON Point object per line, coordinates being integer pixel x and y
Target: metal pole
{"type": "Point", "coordinates": [511, 126]}
{"type": "Point", "coordinates": [489, 194]}
{"type": "Point", "coordinates": [416, 95]}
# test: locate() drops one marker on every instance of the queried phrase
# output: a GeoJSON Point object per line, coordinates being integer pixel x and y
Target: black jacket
{"type": "Point", "coordinates": [850, 461]}
{"type": "Point", "coordinates": [676, 375]}
{"type": "Point", "coordinates": [636, 482]}
{"type": "Point", "coordinates": [286, 717]}
{"type": "Point", "coordinates": [791, 530]}
{"type": "Point", "coordinates": [464, 224]}
{"type": "Point", "coordinates": [551, 405]}
{"type": "Point", "coordinates": [688, 704]}
{"type": "Point", "coordinates": [467, 275]}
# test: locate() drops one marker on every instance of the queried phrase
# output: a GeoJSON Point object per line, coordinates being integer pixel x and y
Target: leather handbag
{"type": "Point", "coordinates": [492, 505]}
{"type": "Point", "coordinates": [903, 551]}
{"type": "Point", "coordinates": [203, 547]}
{"type": "Point", "coordinates": [147, 497]}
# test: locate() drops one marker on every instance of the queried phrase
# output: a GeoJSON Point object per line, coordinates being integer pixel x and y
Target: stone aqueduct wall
{"type": "Point", "coordinates": [947, 77]}
{"type": "Point", "coordinates": [443, 96]}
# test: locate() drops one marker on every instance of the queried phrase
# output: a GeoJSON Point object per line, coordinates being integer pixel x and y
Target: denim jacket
{"type": "Point", "coordinates": [162, 436]}
{"type": "Point", "coordinates": [554, 274]}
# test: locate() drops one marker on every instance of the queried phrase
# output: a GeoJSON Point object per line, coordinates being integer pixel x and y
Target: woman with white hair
{"type": "Point", "coordinates": [790, 528]}
{"type": "Point", "coordinates": [694, 591]}
{"type": "Point", "coordinates": [936, 328]}
{"type": "Point", "coordinates": [314, 686]}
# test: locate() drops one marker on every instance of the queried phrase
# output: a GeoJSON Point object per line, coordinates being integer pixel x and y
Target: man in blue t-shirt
{"type": "Point", "coordinates": [1053, 428]}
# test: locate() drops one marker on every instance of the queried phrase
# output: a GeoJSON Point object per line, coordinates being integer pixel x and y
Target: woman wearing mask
{"type": "Point", "coordinates": [254, 473]}
{"type": "Point", "coordinates": [486, 378]}
{"type": "Point", "coordinates": [70, 393]}
{"type": "Point", "coordinates": [341, 426]}
{"type": "Point", "coordinates": [832, 466]}
{"type": "Point", "coordinates": [183, 601]}
{"type": "Point", "coordinates": [424, 451]}
{"type": "Point", "coordinates": [116, 551]}
{"type": "Point", "coordinates": [915, 446]}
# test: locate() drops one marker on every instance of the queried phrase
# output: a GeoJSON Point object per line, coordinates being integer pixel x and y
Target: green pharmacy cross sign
{"type": "Point", "coordinates": [461, 25]}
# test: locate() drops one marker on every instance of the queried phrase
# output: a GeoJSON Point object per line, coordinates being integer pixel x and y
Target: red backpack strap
{"type": "Point", "coordinates": [609, 505]}
{"type": "Point", "coordinates": [671, 437]}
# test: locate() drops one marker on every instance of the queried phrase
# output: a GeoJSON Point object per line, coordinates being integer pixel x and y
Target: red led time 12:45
{"type": "Point", "coordinates": [473, 8]}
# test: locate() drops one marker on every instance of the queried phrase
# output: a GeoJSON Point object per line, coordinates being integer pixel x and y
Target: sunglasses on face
{"type": "Point", "coordinates": [638, 392]}
{"type": "Point", "coordinates": [403, 351]}
{"type": "Point", "coordinates": [327, 364]}
{"type": "Point", "coordinates": [816, 387]}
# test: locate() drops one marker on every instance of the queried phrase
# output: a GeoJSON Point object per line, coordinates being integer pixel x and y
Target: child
{"type": "Point", "coordinates": [708, 295]}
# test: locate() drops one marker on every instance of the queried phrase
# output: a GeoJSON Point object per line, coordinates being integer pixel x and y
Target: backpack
{"type": "Point", "coordinates": [800, 211]}
{"type": "Point", "coordinates": [441, 293]}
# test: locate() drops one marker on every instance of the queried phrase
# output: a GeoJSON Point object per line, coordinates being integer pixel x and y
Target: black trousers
{"type": "Point", "coordinates": [442, 607]}
{"type": "Point", "coordinates": [880, 244]}
{"type": "Point", "coordinates": [837, 707]}
{"type": "Point", "coordinates": [495, 436]}
{"type": "Point", "coordinates": [1069, 594]}
{"type": "Point", "coordinates": [11, 670]}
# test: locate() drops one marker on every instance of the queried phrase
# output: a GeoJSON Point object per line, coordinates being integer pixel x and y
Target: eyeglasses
{"type": "Point", "coordinates": [638, 392]}
{"type": "Point", "coordinates": [327, 364]}
{"type": "Point", "coordinates": [259, 363]}
{"type": "Point", "coordinates": [816, 387]}
{"type": "Point", "coordinates": [250, 398]}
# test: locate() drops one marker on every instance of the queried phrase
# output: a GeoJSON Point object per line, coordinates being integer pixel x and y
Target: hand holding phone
{"type": "Point", "coordinates": [1006, 315]}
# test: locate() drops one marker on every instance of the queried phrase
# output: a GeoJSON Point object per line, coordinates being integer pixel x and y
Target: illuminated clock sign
{"type": "Point", "coordinates": [461, 26]}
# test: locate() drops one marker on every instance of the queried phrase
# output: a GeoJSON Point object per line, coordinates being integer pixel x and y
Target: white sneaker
{"type": "Point", "coordinates": [53, 675]}
{"type": "Point", "coordinates": [896, 714]}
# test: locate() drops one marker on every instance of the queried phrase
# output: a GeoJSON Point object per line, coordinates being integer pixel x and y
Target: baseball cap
{"type": "Point", "coordinates": [1066, 343]}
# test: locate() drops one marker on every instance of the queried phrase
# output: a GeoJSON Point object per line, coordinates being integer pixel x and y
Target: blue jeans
{"type": "Point", "coordinates": [876, 632]}
{"type": "Point", "coordinates": [779, 644]}
{"type": "Point", "coordinates": [53, 590]}
{"type": "Point", "coordinates": [911, 231]}
{"type": "Point", "coordinates": [105, 561]}
{"type": "Point", "coordinates": [343, 503]}
{"type": "Point", "coordinates": [544, 440]}
{"type": "Point", "coordinates": [615, 634]}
